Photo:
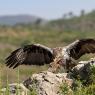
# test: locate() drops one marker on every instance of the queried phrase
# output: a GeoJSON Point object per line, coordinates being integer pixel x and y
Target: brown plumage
{"type": "Point", "coordinates": [36, 54]}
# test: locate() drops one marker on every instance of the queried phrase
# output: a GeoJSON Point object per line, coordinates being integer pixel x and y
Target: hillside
{"type": "Point", "coordinates": [84, 22]}
{"type": "Point", "coordinates": [19, 19]}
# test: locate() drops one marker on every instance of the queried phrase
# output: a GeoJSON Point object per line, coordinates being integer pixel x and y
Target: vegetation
{"type": "Point", "coordinates": [79, 88]}
{"type": "Point", "coordinates": [85, 22]}
{"type": "Point", "coordinates": [56, 33]}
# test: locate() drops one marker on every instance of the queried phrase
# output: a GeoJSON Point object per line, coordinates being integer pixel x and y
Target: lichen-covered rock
{"type": "Point", "coordinates": [47, 83]}
{"type": "Point", "coordinates": [83, 71]}
{"type": "Point", "coordinates": [44, 83]}
{"type": "Point", "coordinates": [14, 89]}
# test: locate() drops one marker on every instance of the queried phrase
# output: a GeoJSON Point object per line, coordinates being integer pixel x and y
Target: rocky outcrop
{"type": "Point", "coordinates": [44, 83]}
{"type": "Point", "coordinates": [83, 69]}
{"type": "Point", "coordinates": [47, 83]}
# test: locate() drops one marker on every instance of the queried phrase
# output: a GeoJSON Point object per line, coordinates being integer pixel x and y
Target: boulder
{"type": "Point", "coordinates": [47, 83]}
{"type": "Point", "coordinates": [14, 89]}
{"type": "Point", "coordinates": [83, 71]}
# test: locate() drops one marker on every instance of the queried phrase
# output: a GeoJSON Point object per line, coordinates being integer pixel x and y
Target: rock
{"type": "Point", "coordinates": [14, 89]}
{"type": "Point", "coordinates": [44, 83]}
{"type": "Point", "coordinates": [83, 71]}
{"type": "Point", "coordinates": [47, 83]}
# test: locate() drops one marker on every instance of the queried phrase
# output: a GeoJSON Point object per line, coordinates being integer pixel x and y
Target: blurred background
{"type": "Point", "coordinates": [49, 22]}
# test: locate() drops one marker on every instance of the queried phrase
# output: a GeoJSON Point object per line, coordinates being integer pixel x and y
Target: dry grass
{"type": "Point", "coordinates": [12, 38]}
{"type": "Point", "coordinates": [24, 72]}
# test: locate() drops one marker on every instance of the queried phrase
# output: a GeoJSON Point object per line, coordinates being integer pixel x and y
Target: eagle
{"type": "Point", "coordinates": [37, 54]}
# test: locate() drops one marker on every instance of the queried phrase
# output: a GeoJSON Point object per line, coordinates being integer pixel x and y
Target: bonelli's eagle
{"type": "Point", "coordinates": [36, 54]}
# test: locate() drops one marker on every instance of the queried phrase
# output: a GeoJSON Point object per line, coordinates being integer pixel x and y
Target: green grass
{"type": "Point", "coordinates": [14, 37]}
{"type": "Point", "coordinates": [79, 88]}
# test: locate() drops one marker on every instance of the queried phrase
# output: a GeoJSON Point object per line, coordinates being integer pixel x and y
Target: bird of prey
{"type": "Point", "coordinates": [37, 54]}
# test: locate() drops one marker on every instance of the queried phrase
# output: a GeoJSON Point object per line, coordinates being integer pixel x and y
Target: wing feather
{"type": "Point", "coordinates": [34, 54]}
{"type": "Point", "coordinates": [81, 47]}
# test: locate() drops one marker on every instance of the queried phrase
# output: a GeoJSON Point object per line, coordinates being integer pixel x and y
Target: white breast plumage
{"type": "Point", "coordinates": [65, 53]}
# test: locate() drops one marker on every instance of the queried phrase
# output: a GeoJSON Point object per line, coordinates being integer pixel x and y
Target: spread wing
{"type": "Point", "coordinates": [34, 54]}
{"type": "Point", "coordinates": [81, 47]}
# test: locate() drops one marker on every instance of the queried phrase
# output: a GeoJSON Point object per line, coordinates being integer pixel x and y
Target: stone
{"type": "Point", "coordinates": [83, 71]}
{"type": "Point", "coordinates": [47, 83]}
{"type": "Point", "coordinates": [14, 89]}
